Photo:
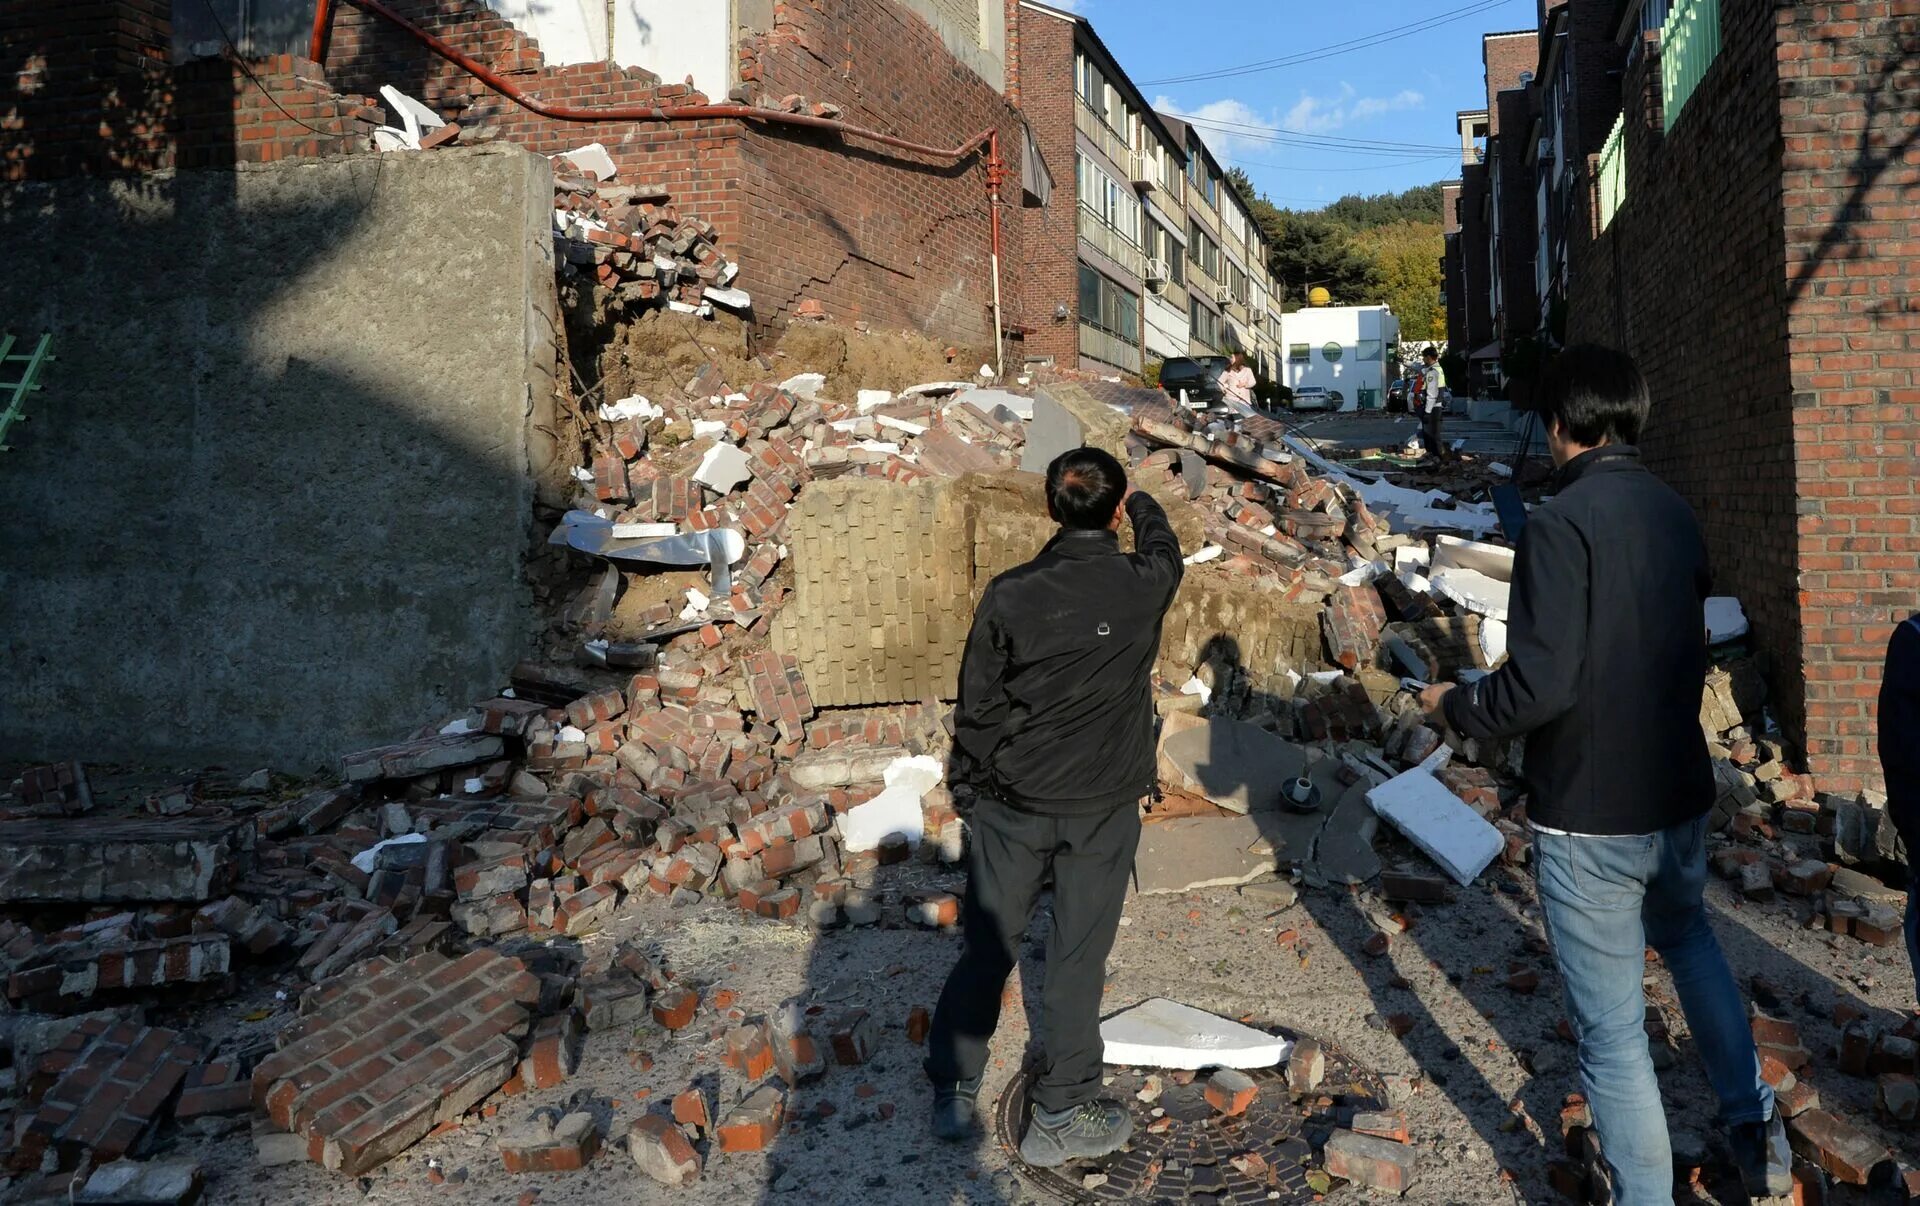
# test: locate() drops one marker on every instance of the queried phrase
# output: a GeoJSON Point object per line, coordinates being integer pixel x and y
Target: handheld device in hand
{"type": "Point", "coordinates": [1511, 509]}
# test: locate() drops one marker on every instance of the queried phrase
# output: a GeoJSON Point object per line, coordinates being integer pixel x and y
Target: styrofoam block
{"type": "Point", "coordinates": [1474, 591]}
{"type": "Point", "coordinates": [1434, 819]}
{"type": "Point", "coordinates": [1726, 619]}
{"type": "Point", "coordinates": [1158, 1033]}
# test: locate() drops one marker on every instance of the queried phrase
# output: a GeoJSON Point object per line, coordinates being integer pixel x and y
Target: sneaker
{"type": "Point", "coordinates": [1765, 1160]}
{"type": "Point", "coordinates": [1085, 1132]}
{"type": "Point", "coordinates": [953, 1109]}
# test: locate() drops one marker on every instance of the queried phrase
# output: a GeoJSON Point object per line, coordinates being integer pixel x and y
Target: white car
{"type": "Point", "coordinates": [1312, 397]}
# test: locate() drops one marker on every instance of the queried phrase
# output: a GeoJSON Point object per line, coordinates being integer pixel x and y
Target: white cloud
{"type": "Point", "coordinates": [1073, 6]}
{"type": "Point", "coordinates": [1325, 114]}
{"type": "Point", "coordinates": [1241, 127]}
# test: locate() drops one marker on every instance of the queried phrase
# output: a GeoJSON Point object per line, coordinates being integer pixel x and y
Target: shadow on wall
{"type": "Point", "coordinates": [275, 499]}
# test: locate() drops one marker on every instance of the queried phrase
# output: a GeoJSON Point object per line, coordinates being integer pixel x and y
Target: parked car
{"type": "Point", "coordinates": [1198, 375]}
{"type": "Point", "coordinates": [1397, 392]}
{"type": "Point", "coordinates": [1314, 397]}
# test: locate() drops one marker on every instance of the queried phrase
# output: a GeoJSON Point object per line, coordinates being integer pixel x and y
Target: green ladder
{"type": "Point", "coordinates": [14, 393]}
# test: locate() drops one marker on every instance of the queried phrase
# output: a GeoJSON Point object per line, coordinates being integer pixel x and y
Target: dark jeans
{"type": "Point", "coordinates": [1430, 433]}
{"type": "Point", "coordinates": [1091, 857]}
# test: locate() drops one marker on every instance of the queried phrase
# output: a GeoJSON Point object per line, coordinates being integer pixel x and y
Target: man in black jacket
{"type": "Point", "coordinates": [1900, 759]}
{"type": "Point", "coordinates": [1606, 655]}
{"type": "Point", "coordinates": [1054, 732]}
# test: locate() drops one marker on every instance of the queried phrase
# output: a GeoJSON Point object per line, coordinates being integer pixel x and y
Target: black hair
{"type": "Point", "coordinates": [1597, 394]}
{"type": "Point", "coordinates": [1084, 488]}
{"type": "Point", "coordinates": [1433, 352]}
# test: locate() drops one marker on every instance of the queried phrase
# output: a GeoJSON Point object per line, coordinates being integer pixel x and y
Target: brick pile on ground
{"type": "Point", "coordinates": [661, 747]}
{"type": "Point", "coordinates": [636, 243]}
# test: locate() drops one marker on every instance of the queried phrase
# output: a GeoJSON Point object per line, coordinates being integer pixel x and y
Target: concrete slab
{"type": "Point", "coordinates": [187, 859]}
{"type": "Point", "coordinates": [1158, 1033]}
{"type": "Point", "coordinates": [1343, 852]}
{"type": "Point", "coordinates": [1236, 765]}
{"type": "Point", "coordinates": [1201, 852]}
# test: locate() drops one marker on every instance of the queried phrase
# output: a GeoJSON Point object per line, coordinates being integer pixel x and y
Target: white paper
{"type": "Point", "coordinates": [633, 407]}
{"type": "Point", "coordinates": [896, 810]}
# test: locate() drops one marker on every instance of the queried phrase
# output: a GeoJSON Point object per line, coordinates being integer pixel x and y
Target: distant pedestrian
{"type": "Point", "coordinates": [1054, 733]}
{"type": "Point", "coordinates": [1236, 385]}
{"type": "Point", "coordinates": [1900, 759]}
{"type": "Point", "coordinates": [1606, 651]}
{"type": "Point", "coordinates": [1432, 403]}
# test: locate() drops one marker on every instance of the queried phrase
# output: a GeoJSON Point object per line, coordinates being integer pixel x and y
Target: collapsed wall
{"type": "Point", "coordinates": [274, 497]}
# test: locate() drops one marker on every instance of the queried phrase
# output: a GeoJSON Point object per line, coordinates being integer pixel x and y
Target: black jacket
{"type": "Point", "coordinates": [1056, 697]}
{"type": "Point", "coordinates": [1607, 652]}
{"type": "Point", "coordinates": [1900, 733]}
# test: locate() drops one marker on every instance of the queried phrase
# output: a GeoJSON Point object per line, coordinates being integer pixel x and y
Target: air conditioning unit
{"type": "Point", "coordinates": [1223, 294]}
{"type": "Point", "coordinates": [1140, 170]}
{"type": "Point", "coordinates": [1156, 269]}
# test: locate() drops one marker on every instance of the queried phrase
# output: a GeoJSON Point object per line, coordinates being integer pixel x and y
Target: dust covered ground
{"type": "Point", "coordinates": [1481, 1072]}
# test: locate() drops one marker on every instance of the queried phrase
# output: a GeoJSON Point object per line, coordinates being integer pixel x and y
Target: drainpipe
{"type": "Point", "coordinates": [996, 171]}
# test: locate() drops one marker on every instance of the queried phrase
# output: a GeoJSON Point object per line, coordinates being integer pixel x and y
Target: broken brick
{"type": "Point", "coordinates": [754, 1124]}
{"type": "Point", "coordinates": [110, 1082]}
{"type": "Point", "coordinates": [1370, 1162]}
{"type": "Point", "coordinates": [662, 1152]}
{"type": "Point", "coordinates": [543, 1146]}
{"type": "Point", "coordinates": [1231, 1092]}
{"type": "Point", "coordinates": [854, 1036]}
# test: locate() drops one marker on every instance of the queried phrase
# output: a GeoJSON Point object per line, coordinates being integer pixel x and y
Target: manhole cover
{"type": "Point", "coordinates": [1186, 1152]}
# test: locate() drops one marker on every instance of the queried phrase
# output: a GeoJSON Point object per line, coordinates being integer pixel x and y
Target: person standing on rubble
{"type": "Point", "coordinates": [1054, 734]}
{"type": "Point", "coordinates": [1605, 655]}
{"type": "Point", "coordinates": [1432, 403]}
{"type": "Point", "coordinates": [1236, 385]}
{"type": "Point", "coordinates": [1899, 723]}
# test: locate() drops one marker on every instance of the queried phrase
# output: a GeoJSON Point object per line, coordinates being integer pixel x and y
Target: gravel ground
{"type": "Point", "coordinates": [1480, 1074]}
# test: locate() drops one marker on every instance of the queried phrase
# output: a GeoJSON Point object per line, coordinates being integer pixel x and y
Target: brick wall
{"type": "Point", "coordinates": [1594, 61]}
{"type": "Point", "coordinates": [1849, 192]}
{"type": "Point", "coordinates": [891, 239]}
{"type": "Point", "coordinates": [89, 92]}
{"type": "Point", "coordinates": [1052, 235]}
{"type": "Point", "coordinates": [1505, 56]}
{"type": "Point", "coordinates": [1475, 274]}
{"type": "Point", "coordinates": [1690, 279]}
{"type": "Point", "coordinates": [1519, 224]}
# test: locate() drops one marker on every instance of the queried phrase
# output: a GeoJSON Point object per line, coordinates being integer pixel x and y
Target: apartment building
{"type": "Point", "coordinates": [1105, 274]}
{"type": "Point", "coordinates": [1730, 199]}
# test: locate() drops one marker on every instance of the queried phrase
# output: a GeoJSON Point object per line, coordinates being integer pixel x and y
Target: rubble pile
{"type": "Point", "coordinates": [668, 748]}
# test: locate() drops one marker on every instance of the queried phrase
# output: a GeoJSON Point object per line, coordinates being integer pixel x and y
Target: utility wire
{"type": "Point", "coordinates": [1331, 140]}
{"type": "Point", "coordinates": [1367, 41]}
{"type": "Point", "coordinates": [240, 61]}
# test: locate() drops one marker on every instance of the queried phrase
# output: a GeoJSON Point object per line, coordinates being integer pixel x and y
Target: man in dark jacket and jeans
{"type": "Point", "coordinates": [1606, 655]}
{"type": "Point", "coordinates": [1054, 732]}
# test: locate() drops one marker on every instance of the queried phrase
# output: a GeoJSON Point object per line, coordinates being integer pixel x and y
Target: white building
{"type": "Point", "coordinates": [1346, 350]}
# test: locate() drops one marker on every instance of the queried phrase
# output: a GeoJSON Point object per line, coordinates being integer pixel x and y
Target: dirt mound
{"type": "Point", "coordinates": [890, 360]}
{"type": "Point", "coordinates": [660, 352]}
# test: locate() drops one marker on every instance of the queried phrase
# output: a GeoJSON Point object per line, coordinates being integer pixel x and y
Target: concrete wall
{"type": "Point", "coordinates": [275, 499]}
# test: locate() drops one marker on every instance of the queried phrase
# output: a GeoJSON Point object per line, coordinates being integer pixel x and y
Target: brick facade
{"type": "Point", "coordinates": [1051, 235]}
{"type": "Point", "coordinates": [875, 235]}
{"type": "Point", "coordinates": [1755, 271]}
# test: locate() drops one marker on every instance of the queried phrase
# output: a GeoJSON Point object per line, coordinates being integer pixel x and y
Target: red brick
{"type": "Point", "coordinates": [754, 1124]}
{"type": "Point", "coordinates": [661, 1151]}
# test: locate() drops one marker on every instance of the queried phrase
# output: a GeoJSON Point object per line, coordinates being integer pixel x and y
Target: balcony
{"type": "Point", "coordinates": [1096, 344]}
{"type": "Point", "coordinates": [1112, 145]}
{"type": "Point", "coordinates": [1111, 243]}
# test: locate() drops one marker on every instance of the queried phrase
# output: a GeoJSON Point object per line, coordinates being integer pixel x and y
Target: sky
{"type": "Point", "coordinates": [1369, 118]}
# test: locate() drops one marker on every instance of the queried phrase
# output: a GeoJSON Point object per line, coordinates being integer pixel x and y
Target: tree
{"type": "Point", "coordinates": [1310, 249]}
{"type": "Point", "coordinates": [1408, 256]}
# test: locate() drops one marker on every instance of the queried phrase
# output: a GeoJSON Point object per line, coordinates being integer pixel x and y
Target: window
{"type": "Point", "coordinates": [1202, 252]}
{"type": "Point", "coordinates": [1108, 307]}
{"type": "Point", "coordinates": [1206, 324]}
{"type": "Point", "coordinates": [1331, 352]}
{"type": "Point", "coordinates": [1367, 349]}
{"type": "Point", "coordinates": [1689, 42]}
{"type": "Point", "coordinates": [1300, 353]}
{"type": "Point", "coordinates": [1113, 203]}
{"type": "Point", "coordinates": [1237, 282]}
